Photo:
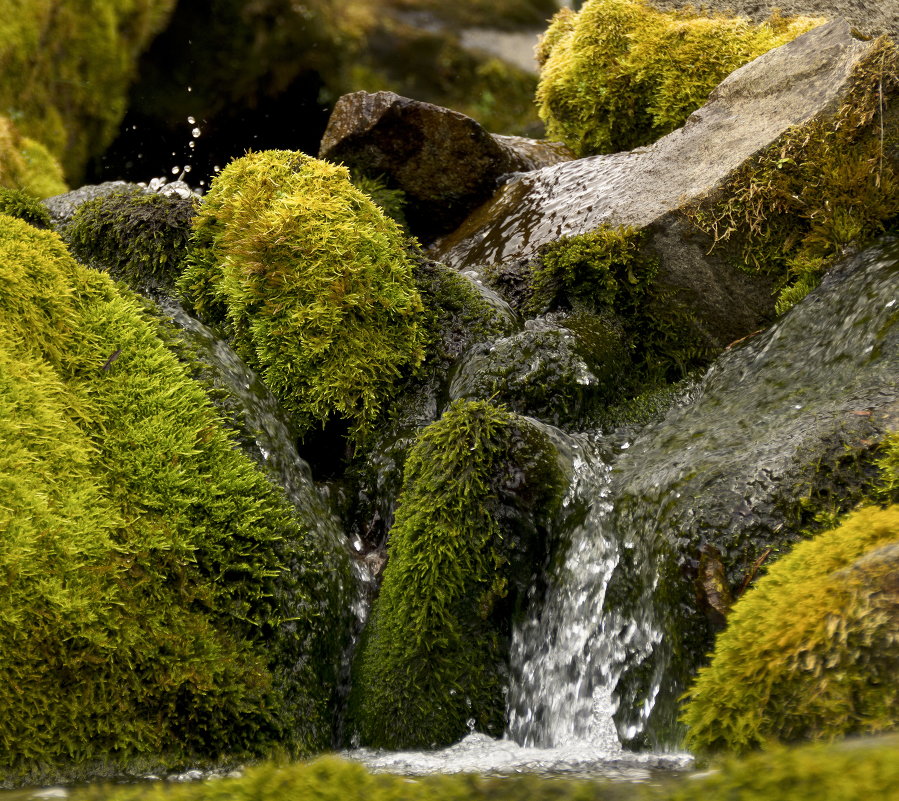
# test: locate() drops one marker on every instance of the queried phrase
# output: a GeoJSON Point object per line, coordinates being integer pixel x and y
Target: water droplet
{"type": "Point", "coordinates": [190, 88]}
{"type": "Point", "coordinates": [187, 168]}
{"type": "Point", "coordinates": [191, 120]}
{"type": "Point", "coordinates": [191, 145]}
{"type": "Point", "coordinates": [176, 170]}
{"type": "Point", "coordinates": [195, 133]}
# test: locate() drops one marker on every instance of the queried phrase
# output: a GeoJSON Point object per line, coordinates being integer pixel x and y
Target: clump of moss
{"type": "Point", "coordinates": [822, 189]}
{"type": "Point", "coordinates": [809, 652]}
{"type": "Point", "coordinates": [620, 73]}
{"type": "Point", "coordinates": [24, 206]}
{"type": "Point", "coordinates": [73, 63]}
{"type": "Point", "coordinates": [391, 201]}
{"type": "Point", "coordinates": [312, 283]}
{"type": "Point", "coordinates": [26, 164]}
{"type": "Point", "coordinates": [138, 237]}
{"type": "Point", "coordinates": [161, 601]}
{"type": "Point", "coordinates": [478, 486]}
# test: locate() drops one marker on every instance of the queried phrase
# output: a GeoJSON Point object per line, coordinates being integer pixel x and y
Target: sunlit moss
{"type": "Point", "coordinates": [26, 164]}
{"type": "Point", "coordinates": [620, 73]}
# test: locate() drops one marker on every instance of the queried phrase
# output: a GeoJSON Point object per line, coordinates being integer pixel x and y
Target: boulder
{"type": "Point", "coordinates": [445, 162]}
{"type": "Point", "coordinates": [870, 18]}
{"type": "Point", "coordinates": [649, 189]}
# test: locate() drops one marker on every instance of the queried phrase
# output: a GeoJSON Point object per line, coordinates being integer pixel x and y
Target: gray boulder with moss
{"type": "Point", "coordinates": [652, 188]}
{"type": "Point", "coordinates": [446, 163]}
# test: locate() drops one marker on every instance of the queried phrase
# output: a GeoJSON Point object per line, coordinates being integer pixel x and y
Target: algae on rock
{"type": "Point", "coordinates": [479, 487]}
{"type": "Point", "coordinates": [162, 601]}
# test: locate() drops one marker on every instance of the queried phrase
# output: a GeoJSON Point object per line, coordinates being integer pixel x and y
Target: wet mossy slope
{"type": "Point", "coordinates": [161, 601]}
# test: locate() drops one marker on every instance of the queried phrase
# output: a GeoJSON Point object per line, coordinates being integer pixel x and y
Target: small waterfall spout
{"type": "Point", "coordinates": [568, 656]}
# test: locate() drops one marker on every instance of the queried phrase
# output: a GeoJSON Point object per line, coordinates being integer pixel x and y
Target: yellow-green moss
{"type": "Point", "coordinates": [26, 164]}
{"type": "Point", "coordinates": [312, 282]}
{"type": "Point", "coordinates": [620, 73]}
{"type": "Point", "coordinates": [821, 189]}
{"type": "Point", "coordinates": [67, 67]}
{"type": "Point", "coordinates": [432, 657]}
{"type": "Point", "coordinates": [24, 206]}
{"type": "Point", "coordinates": [160, 601]}
{"type": "Point", "coordinates": [809, 652]}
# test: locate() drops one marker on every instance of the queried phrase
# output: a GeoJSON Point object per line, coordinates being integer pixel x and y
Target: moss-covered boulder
{"type": "Point", "coordinates": [73, 63]}
{"type": "Point", "coordinates": [479, 486]}
{"type": "Point", "coordinates": [810, 651]}
{"type": "Point", "coordinates": [620, 73]}
{"type": "Point", "coordinates": [162, 603]}
{"type": "Point", "coordinates": [24, 206]}
{"type": "Point", "coordinates": [311, 281]}
{"type": "Point", "coordinates": [26, 165]}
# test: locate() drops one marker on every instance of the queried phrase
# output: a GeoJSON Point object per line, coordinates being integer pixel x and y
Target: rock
{"type": "Point", "coordinates": [781, 429]}
{"type": "Point", "coordinates": [445, 162]}
{"type": "Point", "coordinates": [62, 207]}
{"type": "Point", "coordinates": [870, 18]}
{"type": "Point", "coordinates": [649, 188]}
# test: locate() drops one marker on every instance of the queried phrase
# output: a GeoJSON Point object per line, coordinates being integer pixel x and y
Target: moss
{"type": "Point", "coordinates": [477, 487]}
{"type": "Point", "coordinates": [822, 189]}
{"type": "Point", "coordinates": [138, 237]}
{"type": "Point", "coordinates": [611, 271]}
{"type": "Point", "coordinates": [809, 651]}
{"type": "Point", "coordinates": [161, 602]}
{"type": "Point", "coordinates": [312, 283]}
{"type": "Point", "coordinates": [851, 771]}
{"type": "Point", "coordinates": [73, 63]}
{"type": "Point", "coordinates": [391, 201]}
{"type": "Point", "coordinates": [26, 164]}
{"type": "Point", "coordinates": [620, 73]}
{"type": "Point", "coordinates": [24, 206]}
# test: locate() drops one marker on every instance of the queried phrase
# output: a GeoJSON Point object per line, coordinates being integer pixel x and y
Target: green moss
{"type": "Point", "coordinates": [822, 189]}
{"type": "Point", "coordinates": [391, 201]}
{"type": "Point", "coordinates": [26, 164]}
{"type": "Point", "coordinates": [620, 73]}
{"type": "Point", "coordinates": [477, 486]}
{"type": "Point", "coordinates": [312, 283]}
{"type": "Point", "coordinates": [161, 602]}
{"type": "Point", "coordinates": [809, 651]}
{"type": "Point", "coordinates": [73, 63]}
{"type": "Point", "coordinates": [851, 771]}
{"type": "Point", "coordinates": [136, 236]}
{"type": "Point", "coordinates": [24, 206]}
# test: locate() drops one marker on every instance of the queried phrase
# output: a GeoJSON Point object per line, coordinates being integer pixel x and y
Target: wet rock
{"type": "Point", "coordinates": [62, 207]}
{"type": "Point", "coordinates": [445, 162]}
{"type": "Point", "coordinates": [870, 18]}
{"type": "Point", "coordinates": [781, 434]}
{"type": "Point", "coordinates": [648, 188]}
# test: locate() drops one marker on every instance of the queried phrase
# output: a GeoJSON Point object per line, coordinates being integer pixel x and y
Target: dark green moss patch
{"type": "Point", "coordinates": [478, 487]}
{"type": "Point", "coordinates": [24, 206]}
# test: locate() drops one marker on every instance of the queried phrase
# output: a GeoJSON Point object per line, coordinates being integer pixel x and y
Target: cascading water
{"type": "Point", "coordinates": [568, 655]}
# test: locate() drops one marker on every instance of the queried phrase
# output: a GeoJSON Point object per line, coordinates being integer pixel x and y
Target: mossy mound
{"type": "Point", "coordinates": [24, 206]}
{"type": "Point", "coordinates": [821, 190]}
{"type": "Point", "coordinates": [620, 73]}
{"type": "Point", "coordinates": [311, 282]}
{"type": "Point", "coordinates": [26, 164]}
{"type": "Point", "coordinates": [138, 237]}
{"type": "Point", "coordinates": [851, 771]}
{"type": "Point", "coordinates": [73, 63]}
{"type": "Point", "coordinates": [161, 601]}
{"type": "Point", "coordinates": [810, 651]}
{"type": "Point", "coordinates": [478, 487]}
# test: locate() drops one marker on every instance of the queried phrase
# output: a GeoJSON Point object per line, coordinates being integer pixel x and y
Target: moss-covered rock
{"type": "Point", "coordinates": [24, 206]}
{"type": "Point", "coordinates": [138, 237]}
{"type": "Point", "coordinates": [161, 601]}
{"type": "Point", "coordinates": [26, 164]}
{"type": "Point", "coordinates": [478, 488]}
{"type": "Point", "coordinates": [619, 73]}
{"type": "Point", "coordinates": [810, 651]}
{"type": "Point", "coordinates": [73, 63]}
{"type": "Point", "coordinates": [312, 283]}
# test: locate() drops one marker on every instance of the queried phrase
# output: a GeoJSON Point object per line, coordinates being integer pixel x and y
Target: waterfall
{"type": "Point", "coordinates": [568, 655]}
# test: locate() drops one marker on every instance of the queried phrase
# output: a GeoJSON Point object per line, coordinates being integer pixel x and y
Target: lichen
{"type": "Point", "coordinates": [161, 601]}
{"type": "Point", "coordinates": [478, 486]}
{"type": "Point", "coordinates": [73, 63]}
{"type": "Point", "coordinates": [822, 189]}
{"type": "Point", "coordinates": [620, 73]}
{"type": "Point", "coordinates": [311, 282]}
{"type": "Point", "coordinates": [809, 652]}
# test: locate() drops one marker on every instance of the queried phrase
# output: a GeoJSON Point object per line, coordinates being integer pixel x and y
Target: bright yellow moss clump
{"type": "Point", "coordinates": [619, 73]}
{"type": "Point", "coordinates": [27, 165]}
{"type": "Point", "coordinates": [810, 652]}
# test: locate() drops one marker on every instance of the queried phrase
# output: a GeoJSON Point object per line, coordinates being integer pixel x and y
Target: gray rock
{"type": "Point", "coordinates": [781, 428]}
{"type": "Point", "coordinates": [649, 187]}
{"type": "Point", "coordinates": [445, 162]}
{"type": "Point", "coordinates": [870, 17]}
